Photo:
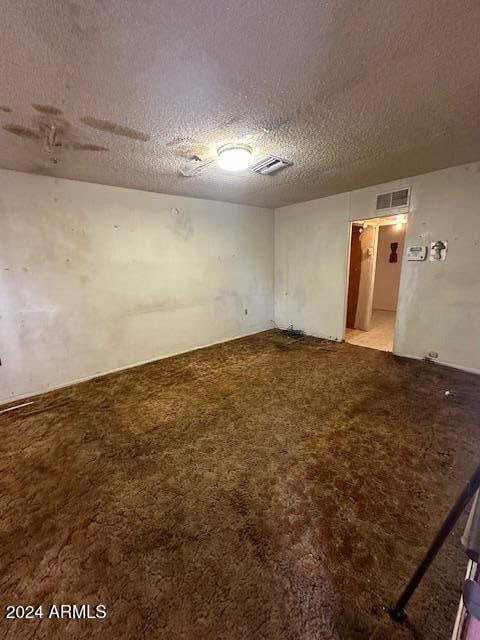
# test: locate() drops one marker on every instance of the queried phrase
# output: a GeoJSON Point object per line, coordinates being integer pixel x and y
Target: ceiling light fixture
{"type": "Point", "coordinates": [234, 157]}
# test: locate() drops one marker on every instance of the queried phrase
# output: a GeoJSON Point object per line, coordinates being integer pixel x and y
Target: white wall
{"type": "Point", "coordinates": [387, 274]}
{"type": "Point", "coordinates": [95, 278]}
{"type": "Point", "coordinates": [439, 303]}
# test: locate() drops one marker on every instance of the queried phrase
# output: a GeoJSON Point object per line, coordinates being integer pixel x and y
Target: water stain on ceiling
{"type": "Point", "coordinates": [115, 129]}
{"type": "Point", "coordinates": [53, 134]}
{"type": "Point", "coordinates": [351, 93]}
{"type": "Point", "coordinates": [77, 146]}
{"type": "Point", "coordinates": [22, 132]}
{"type": "Point", "coordinates": [47, 109]}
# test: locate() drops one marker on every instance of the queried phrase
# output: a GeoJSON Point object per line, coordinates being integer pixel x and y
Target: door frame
{"type": "Point", "coordinates": [406, 212]}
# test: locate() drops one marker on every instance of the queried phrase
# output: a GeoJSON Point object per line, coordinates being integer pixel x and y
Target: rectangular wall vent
{"type": "Point", "coordinates": [400, 198]}
{"type": "Point", "coordinates": [269, 165]}
{"type": "Point", "coordinates": [393, 200]}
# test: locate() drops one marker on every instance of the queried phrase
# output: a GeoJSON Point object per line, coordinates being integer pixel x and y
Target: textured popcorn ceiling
{"type": "Point", "coordinates": [352, 92]}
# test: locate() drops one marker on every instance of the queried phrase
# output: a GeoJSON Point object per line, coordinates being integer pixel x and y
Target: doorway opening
{"type": "Point", "coordinates": [376, 252]}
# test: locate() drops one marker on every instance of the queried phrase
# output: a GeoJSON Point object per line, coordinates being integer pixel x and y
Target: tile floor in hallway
{"type": "Point", "coordinates": [381, 332]}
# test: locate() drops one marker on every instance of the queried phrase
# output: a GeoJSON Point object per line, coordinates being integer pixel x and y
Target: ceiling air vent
{"type": "Point", "coordinates": [269, 165]}
{"type": "Point", "coordinates": [393, 200]}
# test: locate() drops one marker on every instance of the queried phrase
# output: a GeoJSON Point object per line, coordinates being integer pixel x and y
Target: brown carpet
{"type": "Point", "coordinates": [266, 488]}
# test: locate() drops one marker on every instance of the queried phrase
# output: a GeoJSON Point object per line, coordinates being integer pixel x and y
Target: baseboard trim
{"type": "Point", "coordinates": [441, 363]}
{"type": "Point", "coordinates": [4, 402]}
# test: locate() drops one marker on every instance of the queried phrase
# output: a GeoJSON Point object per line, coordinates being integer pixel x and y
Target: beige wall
{"type": "Point", "coordinates": [387, 274]}
{"type": "Point", "coordinates": [95, 278]}
{"type": "Point", "coordinates": [439, 303]}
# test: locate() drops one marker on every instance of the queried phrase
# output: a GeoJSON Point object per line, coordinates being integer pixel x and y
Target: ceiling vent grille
{"type": "Point", "coordinates": [269, 164]}
{"type": "Point", "coordinates": [393, 200]}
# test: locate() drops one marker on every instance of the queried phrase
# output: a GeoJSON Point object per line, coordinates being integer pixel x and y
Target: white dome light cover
{"type": "Point", "coordinates": [234, 157]}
